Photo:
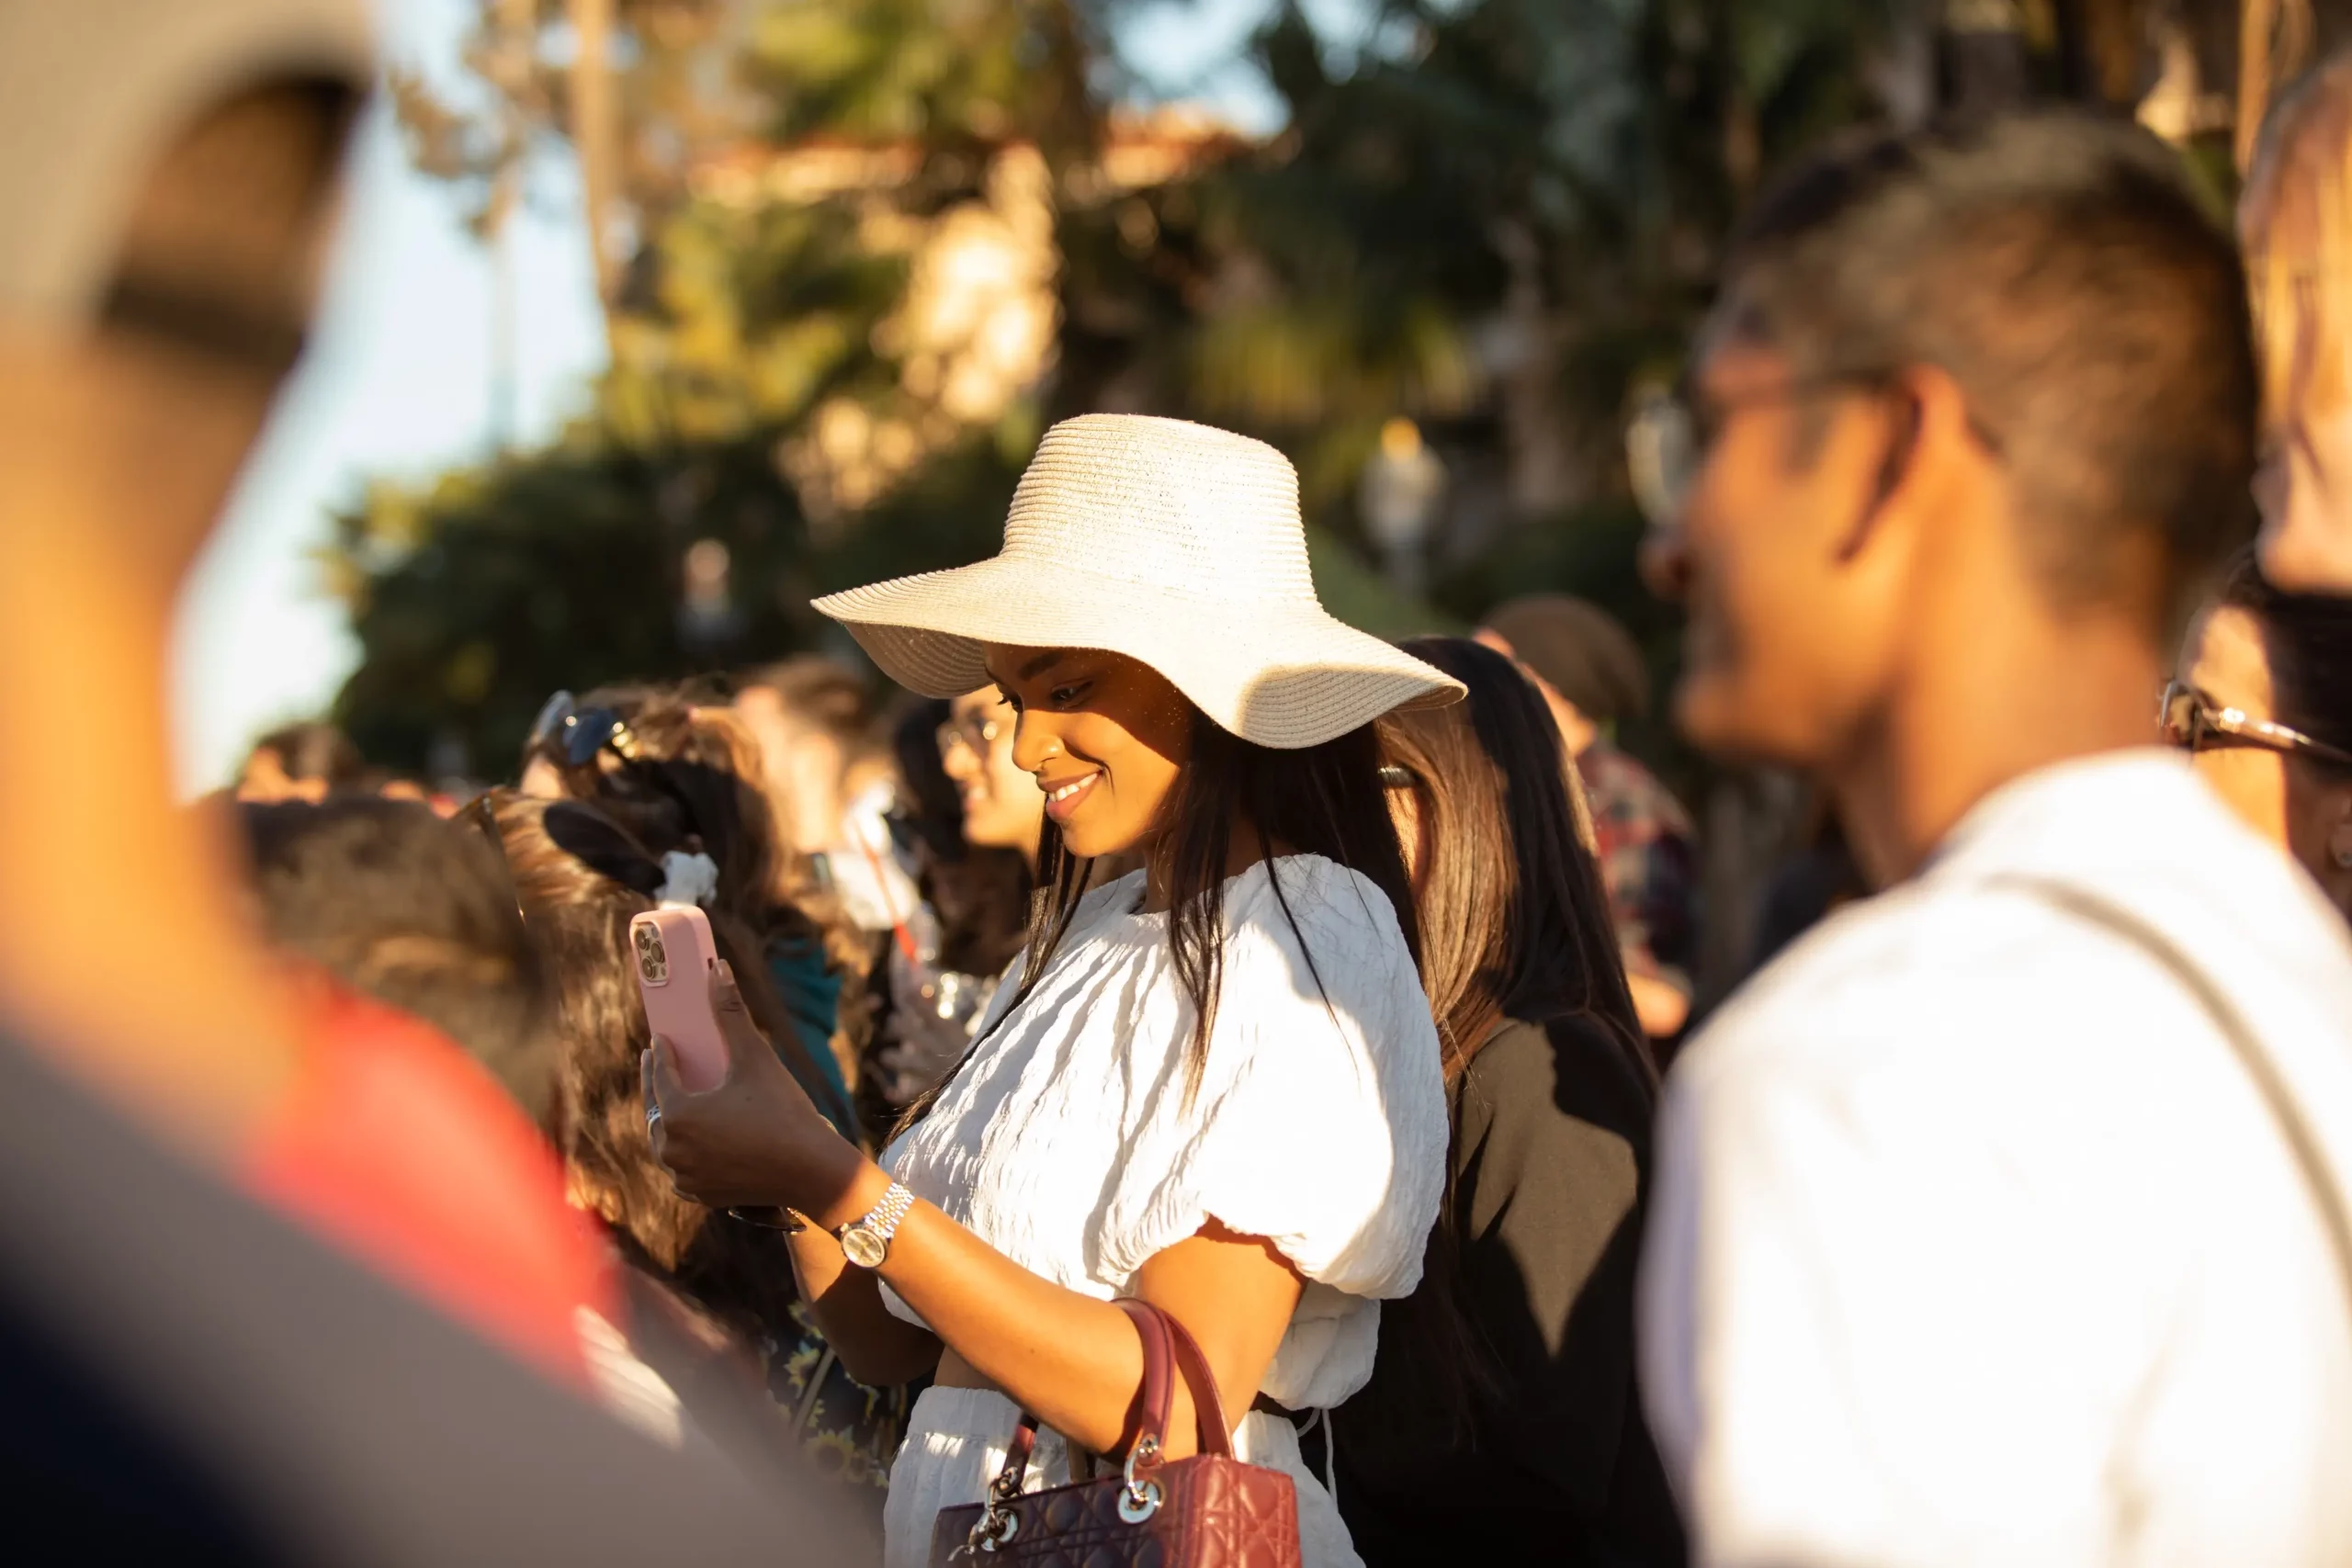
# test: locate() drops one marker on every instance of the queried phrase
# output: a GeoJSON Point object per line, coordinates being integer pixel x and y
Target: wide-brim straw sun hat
{"type": "Point", "coordinates": [1175, 544]}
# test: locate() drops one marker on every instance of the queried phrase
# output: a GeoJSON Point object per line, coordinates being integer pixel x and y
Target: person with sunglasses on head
{"type": "Point", "coordinates": [2003, 1217]}
{"type": "Point", "coordinates": [718, 1283]}
{"type": "Point", "coordinates": [2262, 698]}
{"type": "Point", "coordinates": [684, 778]}
{"type": "Point", "coordinates": [1215, 1084]}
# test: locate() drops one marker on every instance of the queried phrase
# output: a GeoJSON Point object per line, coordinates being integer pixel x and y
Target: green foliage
{"type": "Point", "coordinates": [1495, 218]}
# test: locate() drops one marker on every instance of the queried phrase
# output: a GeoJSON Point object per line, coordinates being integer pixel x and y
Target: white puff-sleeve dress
{"type": "Point", "coordinates": [1067, 1143]}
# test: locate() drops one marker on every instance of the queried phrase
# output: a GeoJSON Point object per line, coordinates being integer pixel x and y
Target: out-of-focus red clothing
{"type": "Point", "coordinates": [402, 1149]}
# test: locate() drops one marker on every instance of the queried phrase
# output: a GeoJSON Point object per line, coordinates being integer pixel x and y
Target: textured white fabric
{"type": "Point", "coordinates": [1974, 1243]}
{"type": "Point", "coordinates": [1066, 1142]}
{"type": "Point", "coordinates": [956, 1448]}
{"type": "Point", "coordinates": [1176, 544]}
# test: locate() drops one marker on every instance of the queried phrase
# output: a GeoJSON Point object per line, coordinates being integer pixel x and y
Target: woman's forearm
{"type": "Point", "coordinates": [877, 1349]}
{"type": "Point", "coordinates": [1074, 1360]}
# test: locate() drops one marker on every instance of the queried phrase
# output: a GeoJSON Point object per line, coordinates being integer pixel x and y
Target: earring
{"type": "Point", "coordinates": [2344, 856]}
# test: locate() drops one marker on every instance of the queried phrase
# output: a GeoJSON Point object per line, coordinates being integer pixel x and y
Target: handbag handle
{"type": "Point", "coordinates": [1166, 1346]}
{"type": "Point", "coordinates": [1165, 1341]}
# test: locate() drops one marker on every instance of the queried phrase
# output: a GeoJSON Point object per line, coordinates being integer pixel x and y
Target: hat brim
{"type": "Point", "coordinates": [1279, 675]}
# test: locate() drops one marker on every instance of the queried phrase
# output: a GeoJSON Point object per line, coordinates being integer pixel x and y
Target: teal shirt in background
{"type": "Point", "coordinates": [811, 994]}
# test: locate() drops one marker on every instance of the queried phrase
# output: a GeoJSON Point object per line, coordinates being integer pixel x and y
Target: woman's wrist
{"type": "Point", "coordinates": [858, 1188]}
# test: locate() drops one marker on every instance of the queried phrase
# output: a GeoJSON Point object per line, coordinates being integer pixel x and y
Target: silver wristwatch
{"type": "Point", "coordinates": [866, 1242]}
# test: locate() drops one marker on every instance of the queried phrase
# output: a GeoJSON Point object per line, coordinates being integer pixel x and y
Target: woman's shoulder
{"type": "Point", "coordinates": [1294, 896]}
{"type": "Point", "coordinates": [1569, 1079]}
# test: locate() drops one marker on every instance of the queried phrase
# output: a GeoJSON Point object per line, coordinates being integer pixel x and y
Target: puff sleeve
{"type": "Point", "coordinates": [1319, 1121]}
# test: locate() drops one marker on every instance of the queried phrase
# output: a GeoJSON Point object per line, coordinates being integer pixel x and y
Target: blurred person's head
{"type": "Point", "coordinates": [928, 807]}
{"type": "Point", "coordinates": [2295, 217]}
{"type": "Point", "coordinates": [1581, 659]}
{"type": "Point", "coordinates": [1514, 921]}
{"type": "Point", "coordinates": [1970, 427]}
{"type": "Point", "coordinates": [813, 720]}
{"type": "Point", "coordinates": [1003, 808]}
{"type": "Point", "coordinates": [2261, 695]}
{"type": "Point", "coordinates": [684, 780]}
{"type": "Point", "coordinates": [978, 891]}
{"type": "Point", "coordinates": [168, 176]}
{"type": "Point", "coordinates": [417, 911]}
{"type": "Point", "coordinates": [582, 877]}
{"type": "Point", "coordinates": [679, 775]}
{"type": "Point", "coordinates": [301, 761]}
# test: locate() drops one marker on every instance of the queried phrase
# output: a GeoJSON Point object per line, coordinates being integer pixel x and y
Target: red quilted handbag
{"type": "Point", "coordinates": [1209, 1511]}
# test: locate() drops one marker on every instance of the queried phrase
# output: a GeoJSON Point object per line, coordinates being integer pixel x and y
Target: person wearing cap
{"type": "Point", "coordinates": [379, 1359]}
{"type": "Point", "coordinates": [1591, 676]}
{"type": "Point", "coordinates": [1215, 1083]}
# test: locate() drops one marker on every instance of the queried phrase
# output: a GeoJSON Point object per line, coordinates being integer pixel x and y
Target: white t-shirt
{"type": "Point", "coordinates": [1319, 1122]}
{"type": "Point", "coordinates": [1974, 1243]}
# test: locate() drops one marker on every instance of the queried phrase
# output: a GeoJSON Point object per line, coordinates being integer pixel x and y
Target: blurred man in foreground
{"type": "Point", "coordinates": [1592, 675]}
{"type": "Point", "coordinates": [2001, 1219]}
{"type": "Point", "coordinates": [183, 1378]}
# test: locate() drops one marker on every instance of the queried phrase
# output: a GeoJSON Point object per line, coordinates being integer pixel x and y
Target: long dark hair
{"type": "Point", "coordinates": [1517, 924]}
{"type": "Point", "coordinates": [694, 786]}
{"type": "Point", "coordinates": [580, 876]}
{"type": "Point", "coordinates": [1516, 928]}
{"type": "Point", "coordinates": [1324, 800]}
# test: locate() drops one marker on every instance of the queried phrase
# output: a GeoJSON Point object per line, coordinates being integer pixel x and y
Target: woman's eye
{"type": "Point", "coordinates": [1064, 697]}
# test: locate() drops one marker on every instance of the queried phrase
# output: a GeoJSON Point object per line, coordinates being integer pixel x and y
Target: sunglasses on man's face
{"type": "Point", "coordinates": [2195, 722]}
{"type": "Point", "coordinates": [573, 734]}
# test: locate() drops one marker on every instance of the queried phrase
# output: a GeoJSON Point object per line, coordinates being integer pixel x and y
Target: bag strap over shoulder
{"type": "Point", "coordinates": [2311, 1161]}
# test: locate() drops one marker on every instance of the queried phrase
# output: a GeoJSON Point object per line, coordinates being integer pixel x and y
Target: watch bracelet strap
{"type": "Point", "coordinates": [884, 1218]}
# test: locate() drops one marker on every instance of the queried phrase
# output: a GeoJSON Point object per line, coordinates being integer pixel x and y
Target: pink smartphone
{"type": "Point", "coordinates": [676, 959]}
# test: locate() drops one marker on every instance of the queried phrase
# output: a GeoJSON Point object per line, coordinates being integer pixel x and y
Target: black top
{"type": "Point", "coordinates": [185, 1378]}
{"type": "Point", "coordinates": [1550, 1168]}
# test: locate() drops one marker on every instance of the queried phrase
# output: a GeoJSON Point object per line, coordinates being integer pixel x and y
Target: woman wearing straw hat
{"type": "Point", "coordinates": [1215, 1084]}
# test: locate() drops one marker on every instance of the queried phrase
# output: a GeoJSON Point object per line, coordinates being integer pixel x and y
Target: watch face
{"type": "Point", "coordinates": [863, 1247]}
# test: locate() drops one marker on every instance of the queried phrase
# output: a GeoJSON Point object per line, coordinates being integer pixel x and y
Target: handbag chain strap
{"type": "Point", "coordinates": [2303, 1143]}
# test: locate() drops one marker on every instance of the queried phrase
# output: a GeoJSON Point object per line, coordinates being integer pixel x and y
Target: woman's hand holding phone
{"type": "Point", "coordinates": [755, 1139]}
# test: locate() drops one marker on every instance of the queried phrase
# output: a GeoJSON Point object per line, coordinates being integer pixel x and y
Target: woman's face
{"type": "Point", "coordinates": [2304, 488]}
{"type": "Point", "coordinates": [2302, 807]}
{"type": "Point", "coordinates": [1103, 736]}
{"type": "Point", "coordinates": [1003, 808]}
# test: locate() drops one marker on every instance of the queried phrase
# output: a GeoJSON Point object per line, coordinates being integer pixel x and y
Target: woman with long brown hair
{"type": "Point", "coordinates": [580, 878]}
{"type": "Point", "coordinates": [1501, 1420]}
{"type": "Point", "coordinates": [684, 779]}
{"type": "Point", "coordinates": [1215, 1084]}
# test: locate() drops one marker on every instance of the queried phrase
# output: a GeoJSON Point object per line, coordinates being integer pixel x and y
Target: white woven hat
{"type": "Point", "coordinates": [1174, 543]}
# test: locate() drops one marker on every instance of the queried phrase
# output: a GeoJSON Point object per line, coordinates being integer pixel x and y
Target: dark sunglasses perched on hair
{"type": "Point", "coordinates": [2195, 722]}
{"type": "Point", "coordinates": [575, 734]}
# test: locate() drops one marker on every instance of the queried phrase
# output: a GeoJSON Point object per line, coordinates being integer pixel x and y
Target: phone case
{"type": "Point", "coordinates": [675, 958]}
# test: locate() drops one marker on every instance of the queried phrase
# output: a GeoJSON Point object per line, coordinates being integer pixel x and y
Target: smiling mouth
{"type": "Point", "coordinates": [1063, 799]}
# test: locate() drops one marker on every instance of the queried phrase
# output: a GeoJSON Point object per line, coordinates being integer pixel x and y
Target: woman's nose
{"type": "Point", "coordinates": [1033, 740]}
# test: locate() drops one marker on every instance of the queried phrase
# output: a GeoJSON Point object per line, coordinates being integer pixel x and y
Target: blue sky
{"type": "Point", "coordinates": [398, 382]}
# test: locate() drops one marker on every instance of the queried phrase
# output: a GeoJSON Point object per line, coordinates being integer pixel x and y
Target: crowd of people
{"type": "Point", "coordinates": [1172, 975]}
